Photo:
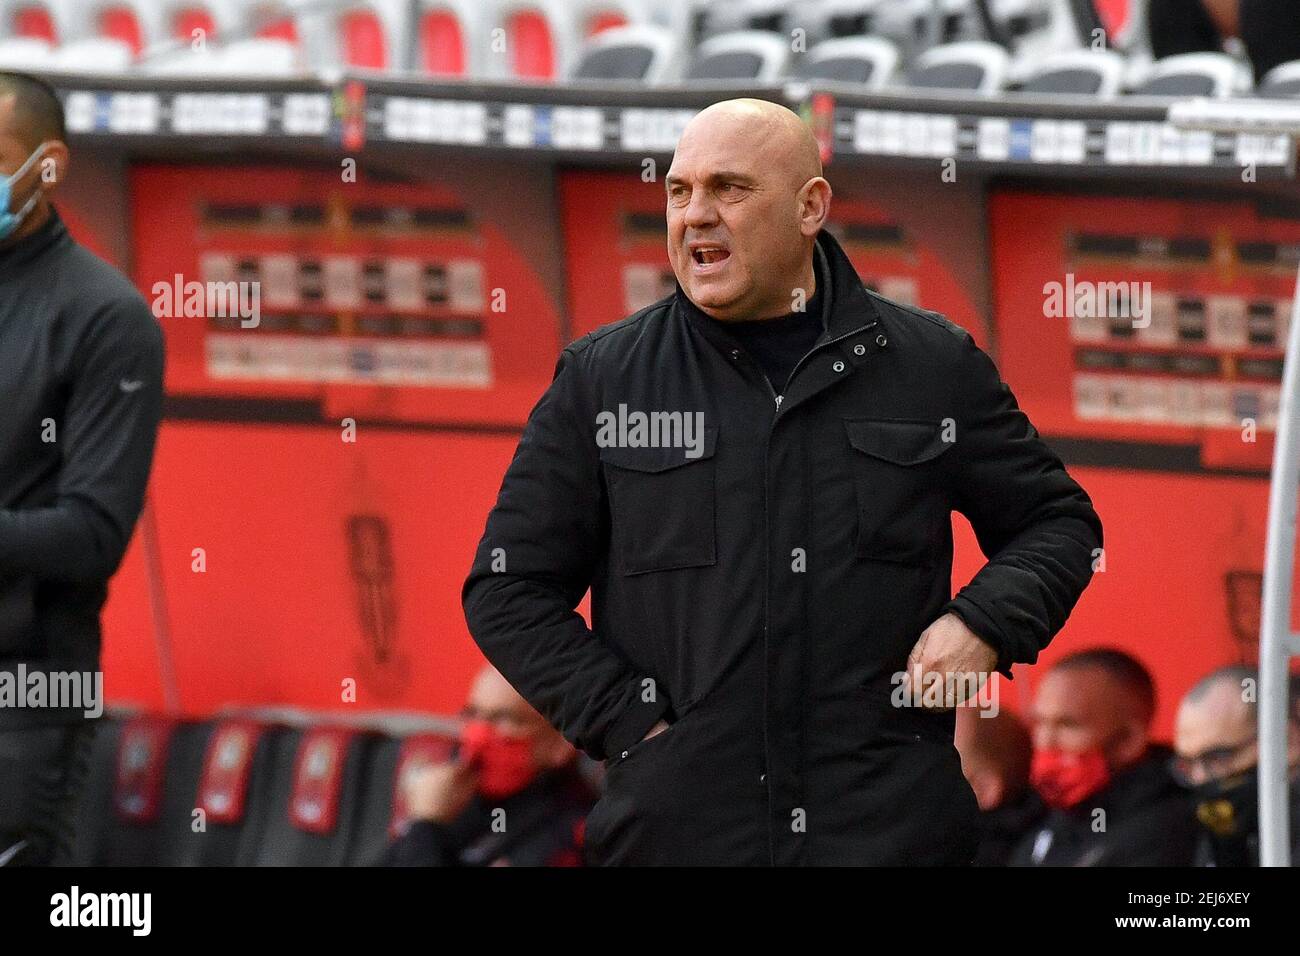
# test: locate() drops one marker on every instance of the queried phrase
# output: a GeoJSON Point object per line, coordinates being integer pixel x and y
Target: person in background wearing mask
{"type": "Point", "coordinates": [995, 757]}
{"type": "Point", "coordinates": [81, 385]}
{"type": "Point", "coordinates": [1216, 736]}
{"type": "Point", "coordinates": [513, 796]}
{"type": "Point", "coordinates": [1112, 799]}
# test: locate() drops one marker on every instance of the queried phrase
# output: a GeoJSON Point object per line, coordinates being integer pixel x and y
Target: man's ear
{"type": "Point", "coordinates": [53, 165]}
{"type": "Point", "coordinates": [1130, 744]}
{"type": "Point", "coordinates": [814, 205]}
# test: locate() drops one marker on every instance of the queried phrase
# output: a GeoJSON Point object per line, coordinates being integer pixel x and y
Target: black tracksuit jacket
{"type": "Point", "coordinates": [81, 365]}
{"type": "Point", "coordinates": [761, 595]}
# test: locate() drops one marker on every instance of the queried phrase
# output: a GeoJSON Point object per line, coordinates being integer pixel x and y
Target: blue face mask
{"type": "Point", "coordinates": [10, 221]}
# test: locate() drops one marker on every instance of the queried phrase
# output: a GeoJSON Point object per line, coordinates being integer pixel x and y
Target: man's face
{"type": "Point", "coordinates": [1215, 737]}
{"type": "Point", "coordinates": [1075, 710]}
{"type": "Point", "coordinates": [493, 700]}
{"type": "Point", "coordinates": [16, 147]}
{"type": "Point", "coordinates": [734, 237]}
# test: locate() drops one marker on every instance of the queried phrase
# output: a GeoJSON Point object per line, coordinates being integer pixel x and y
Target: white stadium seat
{"type": "Point", "coordinates": [25, 53]}
{"type": "Point", "coordinates": [869, 61]}
{"type": "Point", "coordinates": [1096, 73]}
{"type": "Point", "coordinates": [976, 66]}
{"type": "Point", "coordinates": [643, 53]}
{"type": "Point", "coordinates": [1281, 81]}
{"type": "Point", "coordinates": [95, 55]}
{"type": "Point", "coordinates": [1215, 75]}
{"type": "Point", "coordinates": [749, 55]}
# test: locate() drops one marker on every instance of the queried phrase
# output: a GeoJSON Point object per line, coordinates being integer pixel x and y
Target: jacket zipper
{"type": "Point", "coordinates": [767, 564]}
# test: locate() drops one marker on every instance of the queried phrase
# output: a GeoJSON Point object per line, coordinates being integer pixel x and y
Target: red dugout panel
{"type": "Point", "coordinates": [1207, 359]}
{"type": "Point", "coordinates": [387, 301]}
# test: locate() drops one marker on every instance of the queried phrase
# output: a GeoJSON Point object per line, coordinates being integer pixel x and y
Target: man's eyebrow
{"type": "Point", "coordinates": [722, 175]}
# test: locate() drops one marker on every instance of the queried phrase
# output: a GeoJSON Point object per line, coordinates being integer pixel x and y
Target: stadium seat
{"type": "Point", "coordinates": [767, 15]}
{"type": "Point", "coordinates": [976, 66]}
{"type": "Point", "coordinates": [1095, 73]}
{"type": "Point", "coordinates": [1281, 81]}
{"type": "Point", "coordinates": [146, 810]}
{"type": "Point", "coordinates": [47, 20]}
{"type": "Point", "coordinates": [958, 21]}
{"type": "Point", "coordinates": [25, 53]}
{"type": "Point", "coordinates": [451, 38]}
{"type": "Point", "coordinates": [315, 794]}
{"type": "Point", "coordinates": [136, 24]}
{"type": "Point", "coordinates": [382, 812]}
{"type": "Point", "coordinates": [644, 53]}
{"type": "Point", "coordinates": [752, 55]}
{"type": "Point", "coordinates": [1196, 74]}
{"type": "Point", "coordinates": [94, 55]}
{"type": "Point", "coordinates": [543, 38]}
{"type": "Point", "coordinates": [233, 791]}
{"type": "Point", "coordinates": [824, 20]}
{"type": "Point", "coordinates": [869, 61]}
{"type": "Point", "coordinates": [260, 56]}
{"type": "Point", "coordinates": [360, 34]}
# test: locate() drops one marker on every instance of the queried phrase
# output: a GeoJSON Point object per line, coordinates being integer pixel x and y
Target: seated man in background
{"type": "Point", "coordinates": [1112, 799]}
{"type": "Point", "coordinates": [513, 795]}
{"type": "Point", "coordinates": [995, 758]}
{"type": "Point", "coordinates": [1216, 736]}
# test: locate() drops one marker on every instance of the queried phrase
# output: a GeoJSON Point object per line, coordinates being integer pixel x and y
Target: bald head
{"type": "Point", "coordinates": [775, 131]}
{"type": "Point", "coordinates": [746, 199]}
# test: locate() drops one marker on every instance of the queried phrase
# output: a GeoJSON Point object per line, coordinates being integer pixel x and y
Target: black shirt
{"type": "Point", "coordinates": [81, 365]}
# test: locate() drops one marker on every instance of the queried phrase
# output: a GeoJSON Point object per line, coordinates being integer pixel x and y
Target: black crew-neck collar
{"type": "Point", "coordinates": [51, 233]}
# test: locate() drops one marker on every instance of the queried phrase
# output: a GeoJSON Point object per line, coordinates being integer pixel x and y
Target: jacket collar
{"type": "Point", "coordinates": [51, 233]}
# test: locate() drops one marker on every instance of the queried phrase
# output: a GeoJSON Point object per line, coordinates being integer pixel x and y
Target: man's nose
{"type": "Point", "coordinates": [700, 211]}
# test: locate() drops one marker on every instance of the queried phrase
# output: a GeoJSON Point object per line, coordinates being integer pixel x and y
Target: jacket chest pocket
{"type": "Point", "coordinates": [662, 506]}
{"type": "Point", "coordinates": [902, 499]}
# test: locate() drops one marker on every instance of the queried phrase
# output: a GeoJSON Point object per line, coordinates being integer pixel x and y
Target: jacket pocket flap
{"type": "Point", "coordinates": [901, 442]}
{"type": "Point", "coordinates": [662, 458]}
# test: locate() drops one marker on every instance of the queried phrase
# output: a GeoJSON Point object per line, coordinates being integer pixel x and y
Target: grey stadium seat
{"type": "Point", "coordinates": [1215, 75]}
{"type": "Point", "coordinates": [1281, 81]}
{"type": "Point", "coordinates": [974, 65]}
{"type": "Point", "coordinates": [1098, 73]}
{"type": "Point", "coordinates": [648, 54]}
{"type": "Point", "coordinates": [753, 55]}
{"type": "Point", "coordinates": [870, 61]}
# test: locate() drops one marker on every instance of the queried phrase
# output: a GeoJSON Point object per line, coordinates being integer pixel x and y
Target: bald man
{"type": "Point", "coordinates": [1112, 799]}
{"type": "Point", "coordinates": [1216, 736]}
{"type": "Point", "coordinates": [754, 476]}
{"type": "Point", "coordinates": [81, 365]}
{"type": "Point", "coordinates": [512, 796]}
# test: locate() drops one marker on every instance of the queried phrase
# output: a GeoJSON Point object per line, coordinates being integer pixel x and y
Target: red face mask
{"type": "Point", "coordinates": [1064, 779]}
{"type": "Point", "coordinates": [505, 764]}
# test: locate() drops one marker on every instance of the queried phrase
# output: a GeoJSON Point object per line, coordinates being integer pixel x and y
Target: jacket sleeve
{"type": "Point", "coordinates": [1035, 525]}
{"type": "Point", "coordinates": [546, 534]}
{"type": "Point", "coordinates": [107, 435]}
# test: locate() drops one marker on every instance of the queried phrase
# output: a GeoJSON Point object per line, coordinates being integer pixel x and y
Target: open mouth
{"type": "Point", "coordinates": [710, 255]}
